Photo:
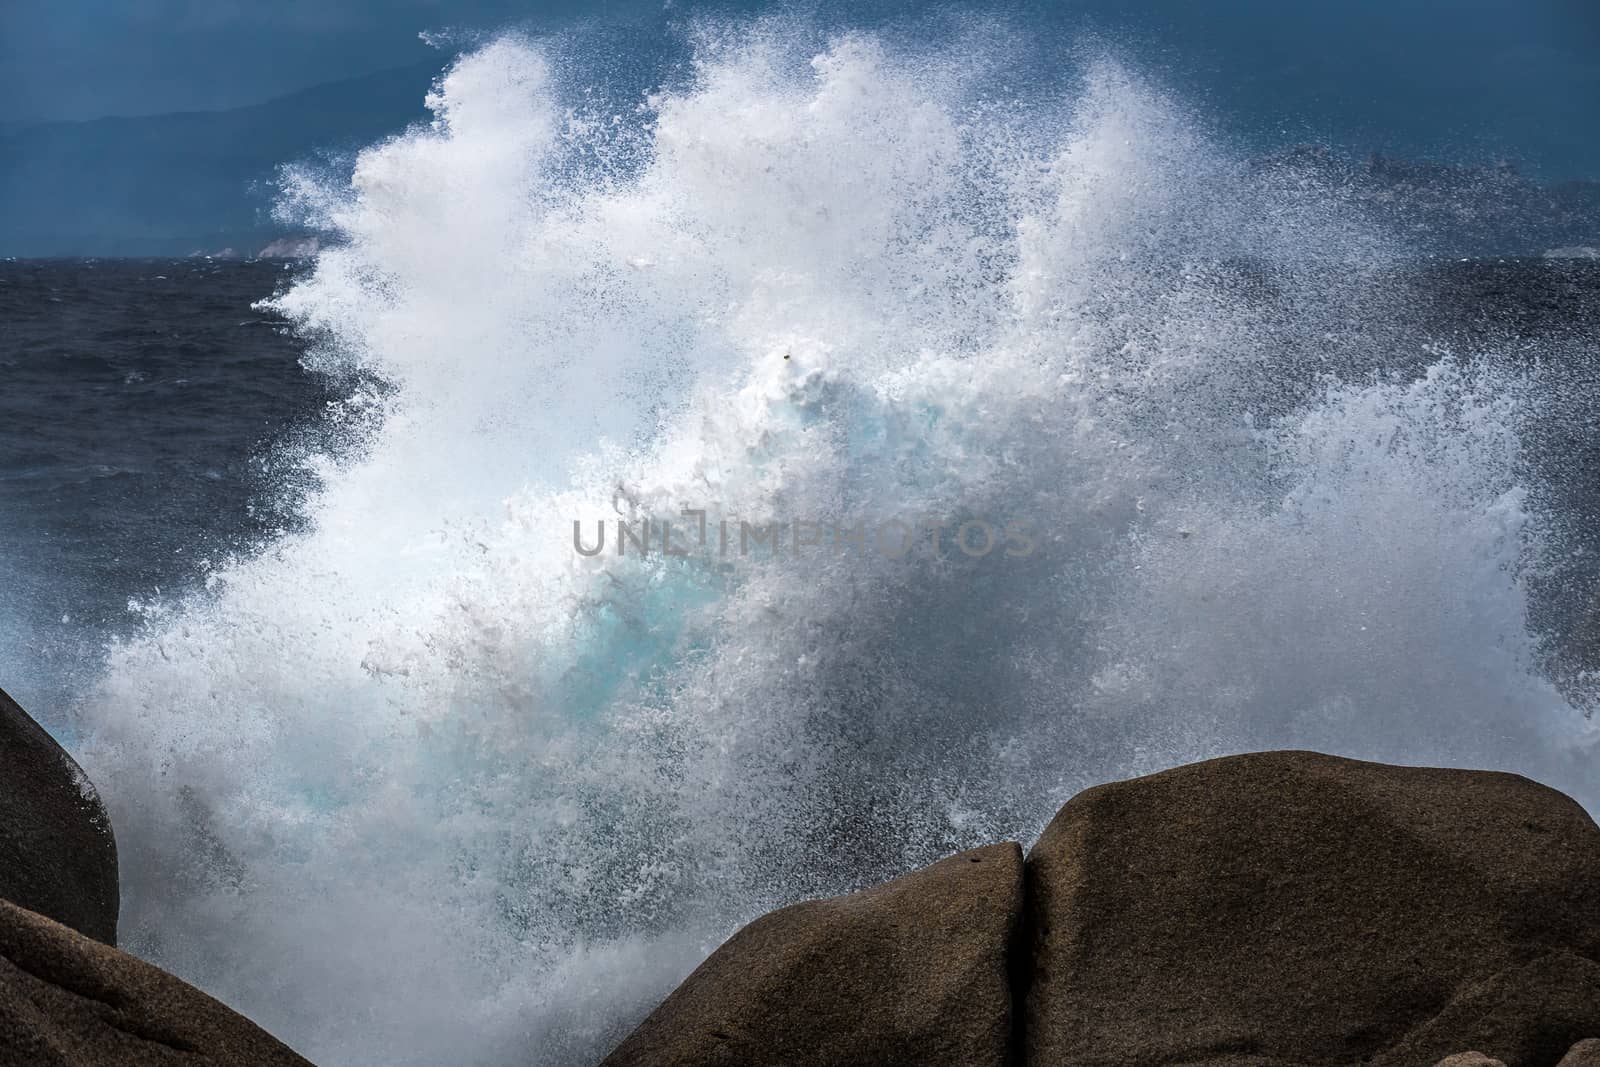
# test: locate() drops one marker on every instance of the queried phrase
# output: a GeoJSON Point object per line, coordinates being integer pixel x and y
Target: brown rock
{"type": "Point", "coordinates": [57, 853]}
{"type": "Point", "coordinates": [1468, 1059]}
{"type": "Point", "coordinates": [1294, 908]}
{"type": "Point", "coordinates": [68, 1001]}
{"type": "Point", "coordinates": [910, 972]}
{"type": "Point", "coordinates": [1583, 1054]}
{"type": "Point", "coordinates": [1527, 1016]}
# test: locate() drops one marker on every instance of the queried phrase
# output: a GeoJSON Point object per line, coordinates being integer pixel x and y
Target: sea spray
{"type": "Point", "coordinates": [421, 784]}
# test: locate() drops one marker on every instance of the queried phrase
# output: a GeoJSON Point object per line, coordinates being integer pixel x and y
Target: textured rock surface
{"type": "Point", "coordinates": [1292, 908]}
{"type": "Point", "coordinates": [57, 853]}
{"type": "Point", "coordinates": [1584, 1054]}
{"type": "Point", "coordinates": [913, 971]}
{"type": "Point", "coordinates": [1469, 1059]}
{"type": "Point", "coordinates": [68, 1001]}
{"type": "Point", "coordinates": [1527, 1015]}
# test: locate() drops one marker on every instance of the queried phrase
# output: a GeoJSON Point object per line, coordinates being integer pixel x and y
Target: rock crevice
{"type": "Point", "coordinates": [1281, 909]}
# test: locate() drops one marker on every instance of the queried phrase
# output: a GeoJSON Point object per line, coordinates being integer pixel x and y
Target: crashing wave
{"type": "Point", "coordinates": [422, 784]}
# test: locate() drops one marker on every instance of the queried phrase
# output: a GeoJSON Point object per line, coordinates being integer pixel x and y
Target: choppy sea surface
{"type": "Point", "coordinates": [143, 403]}
{"type": "Point", "coordinates": [288, 549]}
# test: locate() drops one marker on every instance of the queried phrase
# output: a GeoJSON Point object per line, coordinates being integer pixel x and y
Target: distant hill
{"type": "Point", "coordinates": [169, 185]}
{"type": "Point", "coordinates": [174, 184]}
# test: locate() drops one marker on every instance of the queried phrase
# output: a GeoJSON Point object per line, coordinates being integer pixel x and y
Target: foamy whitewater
{"type": "Point", "coordinates": [423, 785]}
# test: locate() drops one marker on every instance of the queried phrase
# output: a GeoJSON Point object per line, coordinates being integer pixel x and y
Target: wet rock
{"type": "Point", "coordinates": [68, 1001]}
{"type": "Point", "coordinates": [57, 853]}
{"type": "Point", "coordinates": [1294, 908]}
{"type": "Point", "coordinates": [913, 971]}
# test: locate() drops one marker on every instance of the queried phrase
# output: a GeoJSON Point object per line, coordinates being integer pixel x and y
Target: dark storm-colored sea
{"type": "Point", "coordinates": [144, 404]}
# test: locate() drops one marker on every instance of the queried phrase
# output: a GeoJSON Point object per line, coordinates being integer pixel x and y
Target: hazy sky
{"type": "Point", "coordinates": [1519, 78]}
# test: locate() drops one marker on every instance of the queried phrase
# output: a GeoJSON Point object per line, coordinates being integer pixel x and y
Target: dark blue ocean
{"type": "Point", "coordinates": [144, 402]}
